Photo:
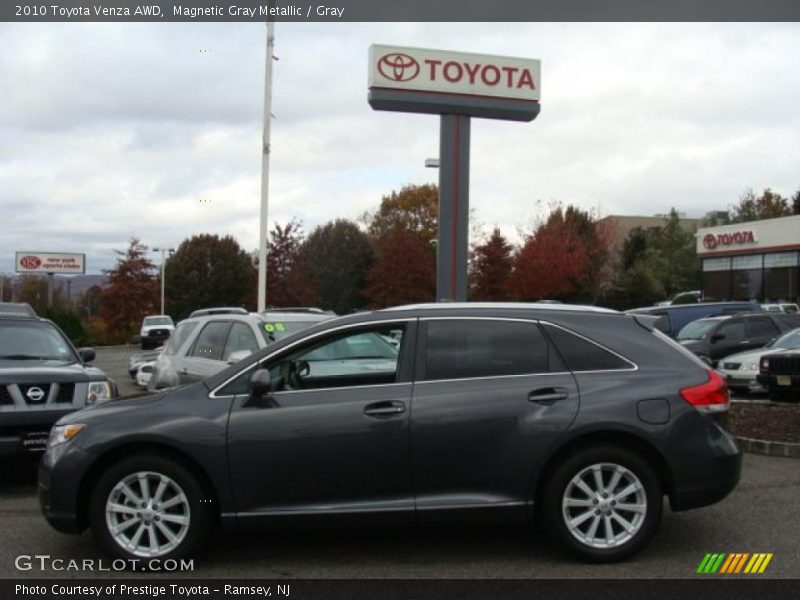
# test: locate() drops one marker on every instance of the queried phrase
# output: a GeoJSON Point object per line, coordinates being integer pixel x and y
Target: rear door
{"type": "Point", "coordinates": [490, 396]}
{"type": "Point", "coordinates": [759, 331]}
{"type": "Point", "coordinates": [204, 358]}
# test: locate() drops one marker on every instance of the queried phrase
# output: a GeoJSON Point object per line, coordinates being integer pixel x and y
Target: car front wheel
{"type": "Point", "coordinates": [603, 504]}
{"type": "Point", "coordinates": [150, 507]}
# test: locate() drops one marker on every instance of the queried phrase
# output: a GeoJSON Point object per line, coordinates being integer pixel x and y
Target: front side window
{"type": "Point", "coordinates": [177, 339]}
{"type": "Point", "coordinates": [697, 330]}
{"type": "Point", "coordinates": [211, 340]}
{"type": "Point", "coordinates": [465, 348]}
{"type": "Point", "coordinates": [732, 330]}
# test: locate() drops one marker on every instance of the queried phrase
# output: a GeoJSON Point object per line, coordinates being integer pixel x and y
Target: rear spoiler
{"type": "Point", "coordinates": [646, 321]}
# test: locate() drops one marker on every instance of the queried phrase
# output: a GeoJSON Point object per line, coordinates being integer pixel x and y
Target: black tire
{"type": "Point", "coordinates": [554, 519]}
{"type": "Point", "coordinates": [201, 509]}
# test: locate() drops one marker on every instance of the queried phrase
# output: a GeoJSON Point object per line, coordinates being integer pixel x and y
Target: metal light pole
{"type": "Point", "coordinates": [163, 261]}
{"type": "Point", "coordinates": [264, 216]}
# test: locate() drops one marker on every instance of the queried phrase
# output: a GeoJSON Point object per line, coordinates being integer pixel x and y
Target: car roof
{"type": "Point", "coordinates": [17, 309]}
{"type": "Point", "coordinates": [546, 306]}
{"type": "Point", "coordinates": [262, 317]}
{"type": "Point", "coordinates": [692, 305]}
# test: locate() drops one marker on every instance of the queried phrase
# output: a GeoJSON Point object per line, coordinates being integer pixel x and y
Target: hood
{"type": "Point", "coordinates": [751, 356]}
{"type": "Point", "coordinates": [25, 372]}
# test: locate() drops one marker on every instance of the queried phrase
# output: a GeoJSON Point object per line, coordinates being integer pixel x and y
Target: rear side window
{"type": "Point", "coordinates": [760, 327]}
{"type": "Point", "coordinates": [582, 355]}
{"type": "Point", "coordinates": [459, 349]}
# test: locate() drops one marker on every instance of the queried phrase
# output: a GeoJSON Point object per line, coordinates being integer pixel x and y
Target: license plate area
{"type": "Point", "coordinates": [35, 441]}
{"type": "Point", "coordinates": [783, 380]}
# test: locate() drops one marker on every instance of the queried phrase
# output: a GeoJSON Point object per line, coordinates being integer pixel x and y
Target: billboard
{"type": "Point", "coordinates": [462, 73]}
{"type": "Point", "coordinates": [50, 262]}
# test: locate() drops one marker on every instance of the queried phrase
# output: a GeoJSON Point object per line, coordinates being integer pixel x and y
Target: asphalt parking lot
{"type": "Point", "coordinates": [761, 515]}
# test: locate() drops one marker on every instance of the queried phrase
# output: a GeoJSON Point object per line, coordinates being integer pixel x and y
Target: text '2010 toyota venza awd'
{"type": "Point", "coordinates": [578, 417]}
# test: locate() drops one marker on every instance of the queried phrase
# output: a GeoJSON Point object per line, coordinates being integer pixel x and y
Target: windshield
{"type": "Point", "coordinates": [277, 330]}
{"type": "Point", "coordinates": [34, 341]}
{"type": "Point", "coordinates": [157, 321]}
{"type": "Point", "coordinates": [788, 341]}
{"type": "Point", "coordinates": [696, 330]}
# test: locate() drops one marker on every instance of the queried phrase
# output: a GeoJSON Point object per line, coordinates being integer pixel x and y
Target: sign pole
{"type": "Point", "coordinates": [50, 290]}
{"type": "Point", "coordinates": [264, 214]}
{"type": "Point", "coordinates": [453, 228]}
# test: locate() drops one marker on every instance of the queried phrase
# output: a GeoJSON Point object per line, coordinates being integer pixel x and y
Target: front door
{"type": "Point", "coordinates": [491, 395]}
{"type": "Point", "coordinates": [332, 438]}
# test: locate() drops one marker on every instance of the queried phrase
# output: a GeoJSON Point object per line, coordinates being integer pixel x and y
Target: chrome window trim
{"type": "Point", "coordinates": [213, 393]}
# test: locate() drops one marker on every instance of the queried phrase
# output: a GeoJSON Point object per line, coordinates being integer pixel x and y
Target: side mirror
{"type": "Point", "coordinates": [238, 355]}
{"type": "Point", "coordinates": [717, 337]}
{"type": "Point", "coordinates": [87, 354]}
{"type": "Point", "coordinates": [260, 383]}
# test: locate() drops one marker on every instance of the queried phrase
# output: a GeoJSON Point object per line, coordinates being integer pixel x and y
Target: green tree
{"type": "Point", "coordinates": [33, 290]}
{"type": "Point", "coordinates": [672, 256]}
{"type": "Point", "coordinates": [69, 322]}
{"type": "Point", "coordinates": [131, 292]}
{"type": "Point", "coordinates": [490, 268]}
{"type": "Point", "coordinates": [796, 202]}
{"type": "Point", "coordinates": [331, 267]}
{"type": "Point", "coordinates": [414, 207]}
{"type": "Point", "coordinates": [207, 270]}
{"type": "Point", "coordinates": [768, 205]}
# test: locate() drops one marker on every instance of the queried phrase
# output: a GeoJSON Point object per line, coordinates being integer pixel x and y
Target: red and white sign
{"type": "Point", "coordinates": [397, 67]}
{"type": "Point", "coordinates": [732, 238]}
{"type": "Point", "coordinates": [50, 262]}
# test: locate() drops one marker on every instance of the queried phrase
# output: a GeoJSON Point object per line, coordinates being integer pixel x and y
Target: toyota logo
{"type": "Point", "coordinates": [710, 241]}
{"type": "Point", "coordinates": [35, 394]}
{"type": "Point", "coordinates": [398, 67]}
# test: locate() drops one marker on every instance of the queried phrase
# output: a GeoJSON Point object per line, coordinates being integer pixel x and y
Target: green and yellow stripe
{"type": "Point", "coordinates": [734, 562]}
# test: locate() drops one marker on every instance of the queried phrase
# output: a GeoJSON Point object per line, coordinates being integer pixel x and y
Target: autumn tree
{"type": "Point", "coordinates": [131, 292]}
{"type": "Point", "coordinates": [490, 267]}
{"type": "Point", "coordinates": [33, 290]}
{"type": "Point", "coordinates": [331, 267]}
{"type": "Point", "coordinates": [768, 205]}
{"type": "Point", "coordinates": [404, 271]}
{"type": "Point", "coordinates": [561, 259]}
{"type": "Point", "coordinates": [284, 246]}
{"type": "Point", "coordinates": [207, 270]}
{"type": "Point", "coordinates": [414, 208]}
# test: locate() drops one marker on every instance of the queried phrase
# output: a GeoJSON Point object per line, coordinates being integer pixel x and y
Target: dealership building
{"type": "Point", "coordinates": [759, 260]}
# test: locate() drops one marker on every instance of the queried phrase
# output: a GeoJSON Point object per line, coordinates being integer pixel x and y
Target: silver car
{"type": "Point", "coordinates": [202, 346]}
{"type": "Point", "coordinates": [740, 370]}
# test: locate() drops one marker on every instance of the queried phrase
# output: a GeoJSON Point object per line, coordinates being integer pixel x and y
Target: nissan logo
{"type": "Point", "coordinates": [398, 67]}
{"type": "Point", "coordinates": [710, 241]}
{"type": "Point", "coordinates": [35, 394]}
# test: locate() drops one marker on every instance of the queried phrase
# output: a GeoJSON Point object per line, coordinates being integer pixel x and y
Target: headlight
{"type": "Point", "coordinates": [63, 433]}
{"type": "Point", "coordinates": [750, 367]}
{"type": "Point", "coordinates": [99, 391]}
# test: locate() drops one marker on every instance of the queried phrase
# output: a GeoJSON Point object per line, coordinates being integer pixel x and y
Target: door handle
{"type": "Point", "coordinates": [384, 409]}
{"type": "Point", "coordinates": [548, 395]}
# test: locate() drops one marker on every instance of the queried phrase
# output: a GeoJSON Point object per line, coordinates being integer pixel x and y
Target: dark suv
{"type": "Point", "coordinates": [582, 418]}
{"type": "Point", "coordinates": [42, 378]}
{"type": "Point", "coordinates": [714, 338]}
{"type": "Point", "coordinates": [780, 374]}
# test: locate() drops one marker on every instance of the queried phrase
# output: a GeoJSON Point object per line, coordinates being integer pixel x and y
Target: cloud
{"type": "Point", "coordinates": [154, 130]}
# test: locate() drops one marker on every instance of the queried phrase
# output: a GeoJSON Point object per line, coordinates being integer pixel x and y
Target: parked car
{"type": "Point", "coordinates": [579, 417]}
{"type": "Point", "coordinates": [156, 329]}
{"type": "Point", "coordinates": [715, 338]}
{"type": "Point", "coordinates": [205, 345]}
{"type": "Point", "coordinates": [42, 378]}
{"type": "Point", "coordinates": [741, 369]}
{"type": "Point", "coordinates": [787, 307]}
{"type": "Point", "coordinates": [205, 312]}
{"type": "Point", "coordinates": [143, 373]}
{"type": "Point", "coordinates": [780, 374]}
{"type": "Point", "coordinates": [675, 317]}
{"type": "Point", "coordinates": [140, 358]}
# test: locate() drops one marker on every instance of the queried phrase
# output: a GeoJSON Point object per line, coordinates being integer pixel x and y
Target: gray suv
{"type": "Point", "coordinates": [204, 345]}
{"type": "Point", "coordinates": [580, 418]}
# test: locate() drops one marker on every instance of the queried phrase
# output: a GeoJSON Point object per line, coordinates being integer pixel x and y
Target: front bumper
{"type": "Point", "coordinates": [17, 426]}
{"type": "Point", "coordinates": [59, 488]}
{"type": "Point", "coordinates": [742, 380]}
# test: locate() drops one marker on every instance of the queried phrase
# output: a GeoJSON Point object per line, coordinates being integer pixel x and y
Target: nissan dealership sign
{"type": "Point", "coordinates": [50, 262]}
{"type": "Point", "coordinates": [401, 68]}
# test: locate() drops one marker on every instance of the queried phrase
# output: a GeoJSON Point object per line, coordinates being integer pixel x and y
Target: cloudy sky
{"type": "Point", "coordinates": [153, 130]}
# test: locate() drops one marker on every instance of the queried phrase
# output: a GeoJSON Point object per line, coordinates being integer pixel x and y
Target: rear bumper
{"type": "Point", "coordinates": [723, 475]}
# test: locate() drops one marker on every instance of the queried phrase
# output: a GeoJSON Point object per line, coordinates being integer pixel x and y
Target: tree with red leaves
{"type": "Point", "coordinates": [562, 259]}
{"type": "Point", "coordinates": [284, 247]}
{"type": "Point", "coordinates": [404, 271]}
{"type": "Point", "coordinates": [490, 268]}
{"type": "Point", "coordinates": [131, 292]}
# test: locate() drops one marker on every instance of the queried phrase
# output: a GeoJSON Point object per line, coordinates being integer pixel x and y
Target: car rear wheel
{"type": "Point", "coordinates": [150, 507]}
{"type": "Point", "coordinates": [603, 504]}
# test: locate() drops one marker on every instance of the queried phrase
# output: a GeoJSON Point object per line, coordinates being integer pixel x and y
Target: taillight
{"type": "Point", "coordinates": [711, 396]}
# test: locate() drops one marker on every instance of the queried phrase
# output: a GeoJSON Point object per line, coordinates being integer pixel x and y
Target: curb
{"type": "Point", "coordinates": [768, 448]}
